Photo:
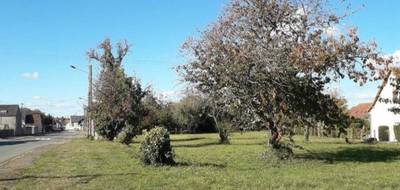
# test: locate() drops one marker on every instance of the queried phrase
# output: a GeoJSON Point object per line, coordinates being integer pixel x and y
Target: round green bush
{"type": "Point", "coordinates": [121, 138]}
{"type": "Point", "coordinates": [125, 136]}
{"type": "Point", "coordinates": [156, 147]}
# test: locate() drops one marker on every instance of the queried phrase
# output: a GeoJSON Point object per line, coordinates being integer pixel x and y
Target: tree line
{"type": "Point", "coordinates": [123, 105]}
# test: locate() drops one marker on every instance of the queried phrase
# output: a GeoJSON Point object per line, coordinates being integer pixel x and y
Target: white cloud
{"type": "Point", "coordinates": [61, 105]}
{"type": "Point", "coordinates": [56, 107]}
{"type": "Point", "coordinates": [31, 76]}
{"type": "Point", "coordinates": [364, 95]}
{"type": "Point", "coordinates": [36, 97]}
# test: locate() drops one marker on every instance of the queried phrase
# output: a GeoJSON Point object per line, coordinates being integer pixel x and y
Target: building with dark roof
{"type": "Point", "coordinates": [10, 120]}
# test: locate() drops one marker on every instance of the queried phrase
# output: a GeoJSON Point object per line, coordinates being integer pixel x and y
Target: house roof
{"type": "Point", "coordinates": [359, 111]}
{"type": "Point", "coordinates": [396, 72]}
{"type": "Point", "coordinates": [9, 110]}
{"type": "Point", "coordinates": [28, 111]}
{"type": "Point", "coordinates": [77, 118]}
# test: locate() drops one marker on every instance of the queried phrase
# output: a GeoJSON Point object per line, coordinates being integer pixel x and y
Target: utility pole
{"type": "Point", "coordinates": [89, 108]}
{"type": "Point", "coordinates": [89, 123]}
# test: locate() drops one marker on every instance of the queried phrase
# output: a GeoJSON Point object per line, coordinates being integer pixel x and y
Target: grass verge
{"type": "Point", "coordinates": [204, 164]}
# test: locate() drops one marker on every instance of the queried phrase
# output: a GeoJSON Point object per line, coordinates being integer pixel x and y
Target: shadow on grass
{"type": "Point", "coordinates": [355, 154]}
{"type": "Point", "coordinates": [249, 144]}
{"type": "Point", "coordinates": [190, 164]}
{"type": "Point", "coordinates": [197, 145]}
{"type": "Point", "coordinates": [188, 139]}
{"type": "Point", "coordinates": [88, 176]}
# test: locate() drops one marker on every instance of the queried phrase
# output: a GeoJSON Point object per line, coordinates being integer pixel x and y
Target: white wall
{"type": "Point", "coordinates": [10, 121]}
{"type": "Point", "coordinates": [73, 126]}
{"type": "Point", "coordinates": [381, 116]}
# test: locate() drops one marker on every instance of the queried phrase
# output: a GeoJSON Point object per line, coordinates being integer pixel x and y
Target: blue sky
{"type": "Point", "coordinates": [40, 39]}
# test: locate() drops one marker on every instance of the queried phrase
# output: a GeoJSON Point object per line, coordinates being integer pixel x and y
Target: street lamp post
{"type": "Point", "coordinates": [90, 97]}
{"type": "Point", "coordinates": [90, 126]}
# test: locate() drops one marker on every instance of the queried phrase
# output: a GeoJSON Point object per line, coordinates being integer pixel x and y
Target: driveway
{"type": "Point", "coordinates": [12, 147]}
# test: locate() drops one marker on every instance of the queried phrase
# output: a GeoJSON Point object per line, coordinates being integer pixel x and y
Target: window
{"type": "Point", "coordinates": [29, 119]}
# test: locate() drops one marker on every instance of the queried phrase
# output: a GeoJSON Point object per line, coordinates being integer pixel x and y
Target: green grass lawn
{"type": "Point", "coordinates": [204, 164]}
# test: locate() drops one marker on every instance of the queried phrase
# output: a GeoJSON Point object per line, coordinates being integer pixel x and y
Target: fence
{"type": "Point", "coordinates": [352, 133]}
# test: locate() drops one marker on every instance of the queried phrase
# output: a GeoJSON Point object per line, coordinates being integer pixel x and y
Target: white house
{"type": "Point", "coordinates": [379, 112]}
{"type": "Point", "coordinates": [75, 123]}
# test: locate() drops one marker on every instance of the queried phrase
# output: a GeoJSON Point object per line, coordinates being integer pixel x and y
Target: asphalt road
{"type": "Point", "coordinates": [11, 147]}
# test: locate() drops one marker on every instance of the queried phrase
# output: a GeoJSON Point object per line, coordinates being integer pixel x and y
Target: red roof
{"type": "Point", "coordinates": [359, 111]}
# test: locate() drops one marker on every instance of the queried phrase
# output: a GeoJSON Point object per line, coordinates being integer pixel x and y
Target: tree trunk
{"type": "Point", "coordinates": [281, 151]}
{"type": "Point", "coordinates": [223, 136]}
{"type": "Point", "coordinates": [362, 132]}
{"type": "Point", "coordinates": [275, 137]}
{"type": "Point", "coordinates": [334, 133]}
{"type": "Point", "coordinates": [223, 131]}
{"type": "Point", "coordinates": [307, 133]}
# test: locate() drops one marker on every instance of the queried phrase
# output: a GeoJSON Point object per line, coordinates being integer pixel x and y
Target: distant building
{"type": "Point", "coordinates": [360, 111]}
{"type": "Point", "coordinates": [75, 122]}
{"type": "Point", "coordinates": [10, 120]}
{"type": "Point", "coordinates": [32, 122]}
{"type": "Point", "coordinates": [59, 124]}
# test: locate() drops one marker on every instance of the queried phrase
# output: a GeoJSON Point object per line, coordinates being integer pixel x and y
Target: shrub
{"type": "Point", "coordinates": [370, 141]}
{"type": "Point", "coordinates": [156, 147]}
{"type": "Point", "coordinates": [126, 135]}
{"type": "Point", "coordinates": [282, 153]}
{"type": "Point", "coordinates": [121, 137]}
{"type": "Point", "coordinates": [108, 128]}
